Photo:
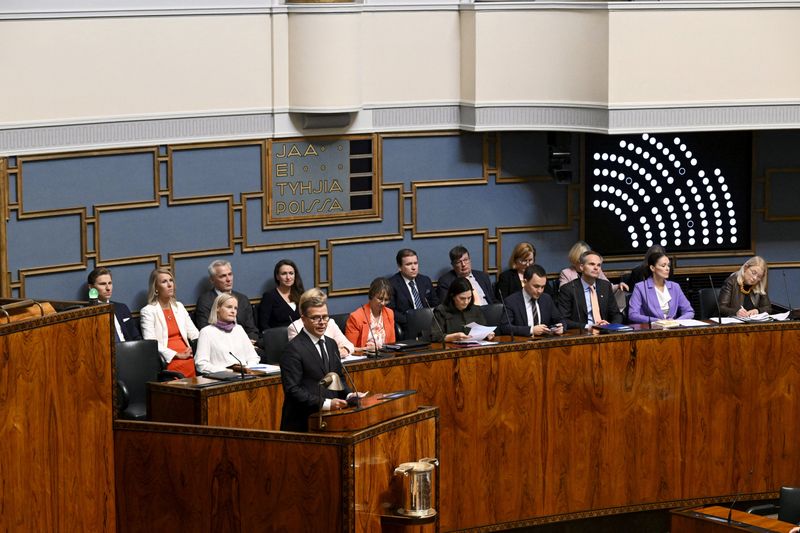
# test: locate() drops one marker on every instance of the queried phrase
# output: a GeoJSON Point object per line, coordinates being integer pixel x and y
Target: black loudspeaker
{"type": "Point", "coordinates": [559, 149]}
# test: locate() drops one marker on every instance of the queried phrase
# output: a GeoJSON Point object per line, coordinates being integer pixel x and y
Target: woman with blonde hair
{"type": "Point", "coordinates": [223, 337]}
{"type": "Point", "coordinates": [165, 319]}
{"type": "Point", "coordinates": [572, 272]}
{"type": "Point", "coordinates": [510, 281]}
{"type": "Point", "coordinates": [744, 293]}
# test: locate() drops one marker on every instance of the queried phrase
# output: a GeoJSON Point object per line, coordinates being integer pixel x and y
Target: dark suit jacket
{"type": "Point", "coordinates": [126, 323]}
{"type": "Point", "coordinates": [731, 298]}
{"type": "Point", "coordinates": [480, 276]}
{"type": "Point", "coordinates": [518, 315]}
{"type": "Point", "coordinates": [402, 302]}
{"type": "Point", "coordinates": [274, 312]}
{"type": "Point", "coordinates": [301, 371]}
{"type": "Point", "coordinates": [572, 304]}
{"type": "Point", "coordinates": [244, 316]}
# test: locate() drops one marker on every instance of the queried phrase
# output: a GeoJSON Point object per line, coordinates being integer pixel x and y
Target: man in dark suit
{"type": "Point", "coordinates": [220, 274]}
{"type": "Point", "coordinates": [308, 358]}
{"type": "Point", "coordinates": [410, 289]}
{"type": "Point", "coordinates": [588, 301]}
{"type": "Point", "coordinates": [124, 326]}
{"type": "Point", "coordinates": [462, 268]}
{"type": "Point", "coordinates": [531, 311]}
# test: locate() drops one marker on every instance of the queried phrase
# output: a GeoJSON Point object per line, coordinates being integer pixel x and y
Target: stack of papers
{"type": "Point", "coordinates": [269, 369]}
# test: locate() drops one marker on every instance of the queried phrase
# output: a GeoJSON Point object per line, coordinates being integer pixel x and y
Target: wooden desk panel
{"type": "Point", "coordinates": [56, 412]}
{"type": "Point", "coordinates": [569, 427]}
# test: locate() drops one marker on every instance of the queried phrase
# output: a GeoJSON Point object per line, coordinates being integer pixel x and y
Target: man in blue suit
{"type": "Point", "coordinates": [531, 311]}
{"type": "Point", "coordinates": [410, 289]}
{"type": "Point", "coordinates": [124, 327]}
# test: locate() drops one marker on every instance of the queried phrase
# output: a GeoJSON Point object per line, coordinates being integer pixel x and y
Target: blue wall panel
{"type": "Point", "coordinates": [464, 207]}
{"type": "Point", "coordinates": [86, 181]}
{"type": "Point", "coordinates": [177, 228]}
{"type": "Point", "coordinates": [216, 171]}
{"type": "Point", "coordinates": [43, 242]}
{"type": "Point", "coordinates": [408, 159]}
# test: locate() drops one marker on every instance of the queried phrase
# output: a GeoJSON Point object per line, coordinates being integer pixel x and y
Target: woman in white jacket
{"type": "Point", "coordinates": [223, 337]}
{"type": "Point", "coordinates": [165, 319]}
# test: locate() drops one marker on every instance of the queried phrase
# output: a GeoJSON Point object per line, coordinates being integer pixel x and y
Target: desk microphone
{"type": "Point", "coordinates": [435, 321]}
{"type": "Point", "coordinates": [738, 495]}
{"type": "Point", "coordinates": [505, 312]}
{"type": "Point", "coordinates": [716, 300]}
{"type": "Point", "coordinates": [786, 288]}
{"type": "Point", "coordinates": [241, 366]}
{"type": "Point", "coordinates": [372, 333]}
{"type": "Point", "coordinates": [356, 398]}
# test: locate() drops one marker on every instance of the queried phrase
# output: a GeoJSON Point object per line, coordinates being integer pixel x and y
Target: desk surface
{"type": "Point", "coordinates": [739, 520]}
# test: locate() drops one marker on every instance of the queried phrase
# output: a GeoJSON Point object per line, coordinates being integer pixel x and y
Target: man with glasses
{"type": "Point", "coordinates": [308, 358]}
{"type": "Point", "coordinates": [332, 330]}
{"type": "Point", "coordinates": [462, 268]}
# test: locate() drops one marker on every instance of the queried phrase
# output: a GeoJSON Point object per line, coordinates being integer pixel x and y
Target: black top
{"type": "Point", "coordinates": [508, 283]}
{"type": "Point", "coordinates": [452, 320]}
{"type": "Point", "coordinates": [274, 312]}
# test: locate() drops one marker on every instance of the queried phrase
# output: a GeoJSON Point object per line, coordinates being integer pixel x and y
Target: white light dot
{"type": "Point", "coordinates": [630, 201]}
{"type": "Point", "coordinates": [645, 136]}
{"type": "Point", "coordinates": [709, 188]}
{"type": "Point", "coordinates": [676, 224]}
{"type": "Point", "coordinates": [635, 244]}
{"type": "Point", "coordinates": [719, 240]}
{"type": "Point", "coordinates": [693, 161]}
{"type": "Point", "coordinates": [646, 155]}
{"type": "Point", "coordinates": [666, 201]}
{"type": "Point", "coordinates": [677, 164]}
{"type": "Point", "coordinates": [623, 217]}
{"type": "Point", "coordinates": [671, 157]}
{"type": "Point", "coordinates": [733, 231]}
{"type": "Point", "coordinates": [658, 189]}
{"type": "Point", "coordinates": [638, 150]}
{"type": "Point", "coordinates": [724, 187]}
{"type": "Point", "coordinates": [654, 210]}
{"type": "Point", "coordinates": [605, 157]}
{"type": "Point", "coordinates": [661, 225]}
{"type": "Point", "coordinates": [605, 172]}
{"type": "Point", "coordinates": [682, 199]}
{"type": "Point", "coordinates": [658, 217]}
{"type": "Point", "coordinates": [717, 171]}
{"type": "Point", "coordinates": [731, 213]}
{"type": "Point", "coordinates": [604, 187]}
{"type": "Point", "coordinates": [689, 153]}
{"type": "Point", "coordinates": [613, 157]}
{"type": "Point", "coordinates": [618, 211]}
{"type": "Point", "coordinates": [665, 173]}
{"type": "Point", "coordinates": [716, 214]}
{"type": "Point", "coordinates": [631, 229]}
{"type": "Point", "coordinates": [691, 233]}
{"type": "Point", "coordinates": [733, 240]}
{"type": "Point", "coordinates": [596, 187]}
{"type": "Point", "coordinates": [677, 140]}
{"type": "Point", "coordinates": [647, 199]}
{"type": "Point", "coordinates": [635, 208]}
{"type": "Point", "coordinates": [652, 160]}
{"type": "Point", "coordinates": [721, 179]}
{"type": "Point", "coordinates": [705, 240]}
{"type": "Point", "coordinates": [683, 147]}
{"type": "Point", "coordinates": [665, 151]}
{"type": "Point", "coordinates": [630, 146]}
{"type": "Point", "coordinates": [691, 242]}
{"type": "Point", "coordinates": [604, 203]}
{"type": "Point", "coordinates": [642, 220]}
{"type": "Point", "coordinates": [670, 180]}
{"type": "Point", "coordinates": [596, 203]}
{"type": "Point", "coordinates": [596, 156]}
{"type": "Point", "coordinates": [677, 242]}
{"type": "Point", "coordinates": [659, 146]}
{"type": "Point", "coordinates": [652, 140]}
{"type": "Point", "coordinates": [597, 172]}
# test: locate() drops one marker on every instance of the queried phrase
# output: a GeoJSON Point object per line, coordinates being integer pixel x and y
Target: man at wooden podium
{"type": "Point", "coordinates": [307, 359]}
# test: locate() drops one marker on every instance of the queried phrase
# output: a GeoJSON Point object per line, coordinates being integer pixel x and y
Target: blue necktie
{"type": "Point", "coordinates": [415, 294]}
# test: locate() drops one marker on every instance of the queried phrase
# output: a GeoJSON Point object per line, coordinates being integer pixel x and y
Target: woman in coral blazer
{"type": "Point", "coordinates": [372, 325]}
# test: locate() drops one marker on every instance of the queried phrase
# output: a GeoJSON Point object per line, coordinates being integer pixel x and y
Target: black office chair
{"type": "Point", "coordinates": [341, 320]}
{"type": "Point", "coordinates": [788, 507]}
{"type": "Point", "coordinates": [419, 323]}
{"type": "Point", "coordinates": [275, 341]}
{"type": "Point", "coordinates": [493, 314]}
{"type": "Point", "coordinates": [137, 363]}
{"type": "Point", "coordinates": [708, 303]}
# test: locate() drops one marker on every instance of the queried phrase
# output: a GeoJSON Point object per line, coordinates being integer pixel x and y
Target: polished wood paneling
{"type": "Point", "coordinates": [378, 490]}
{"type": "Point", "coordinates": [582, 425]}
{"type": "Point", "coordinates": [203, 479]}
{"type": "Point", "coordinates": [56, 411]}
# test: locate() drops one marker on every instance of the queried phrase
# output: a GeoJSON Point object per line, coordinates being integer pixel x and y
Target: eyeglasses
{"type": "Point", "coordinates": [319, 319]}
{"type": "Point", "coordinates": [462, 261]}
{"type": "Point", "coordinates": [525, 261]}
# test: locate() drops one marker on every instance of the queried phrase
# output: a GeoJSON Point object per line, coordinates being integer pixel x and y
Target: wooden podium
{"type": "Point", "coordinates": [372, 409]}
{"type": "Point", "coordinates": [208, 479]}
{"type": "Point", "coordinates": [715, 520]}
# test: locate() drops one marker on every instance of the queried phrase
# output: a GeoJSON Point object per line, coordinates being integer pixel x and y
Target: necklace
{"type": "Point", "coordinates": [743, 290]}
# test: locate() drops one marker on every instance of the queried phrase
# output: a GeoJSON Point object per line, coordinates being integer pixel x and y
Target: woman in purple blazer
{"type": "Point", "coordinates": [656, 297]}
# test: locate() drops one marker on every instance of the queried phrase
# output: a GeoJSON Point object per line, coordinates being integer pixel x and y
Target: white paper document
{"type": "Point", "coordinates": [269, 369]}
{"type": "Point", "coordinates": [478, 332]}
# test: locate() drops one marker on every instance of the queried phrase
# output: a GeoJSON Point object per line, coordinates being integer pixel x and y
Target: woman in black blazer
{"type": "Point", "coordinates": [279, 307]}
{"type": "Point", "coordinates": [510, 281]}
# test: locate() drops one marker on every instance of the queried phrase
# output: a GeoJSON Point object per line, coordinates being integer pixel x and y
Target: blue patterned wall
{"type": "Point", "coordinates": [184, 206]}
